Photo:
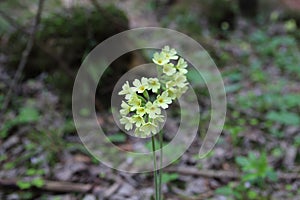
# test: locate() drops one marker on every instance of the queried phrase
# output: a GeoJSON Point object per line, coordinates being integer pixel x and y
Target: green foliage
{"type": "Point", "coordinates": [27, 184]}
{"type": "Point", "coordinates": [117, 137]}
{"type": "Point", "coordinates": [185, 19]}
{"type": "Point", "coordinates": [282, 50]}
{"type": "Point", "coordinates": [33, 171]}
{"type": "Point", "coordinates": [67, 35]}
{"type": "Point", "coordinates": [24, 185]}
{"type": "Point", "coordinates": [297, 141]}
{"type": "Point", "coordinates": [256, 169]}
{"type": "Point", "coordinates": [169, 177]}
{"type": "Point", "coordinates": [9, 165]}
{"type": "Point", "coordinates": [284, 117]}
{"type": "Point", "coordinates": [257, 73]}
{"type": "Point", "coordinates": [277, 152]}
{"type": "Point", "coordinates": [234, 131]}
{"type": "Point", "coordinates": [238, 192]}
{"type": "Point", "coordinates": [268, 101]}
{"type": "Point", "coordinates": [26, 115]}
{"type": "Point", "coordinates": [38, 182]}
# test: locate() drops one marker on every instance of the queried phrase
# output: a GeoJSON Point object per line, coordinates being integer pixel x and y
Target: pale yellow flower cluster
{"type": "Point", "coordinates": [141, 109]}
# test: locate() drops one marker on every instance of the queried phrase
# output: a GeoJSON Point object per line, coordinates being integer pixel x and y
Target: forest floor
{"type": "Point", "coordinates": [256, 157]}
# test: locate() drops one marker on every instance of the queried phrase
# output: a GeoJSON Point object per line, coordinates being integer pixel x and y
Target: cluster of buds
{"type": "Point", "coordinates": [144, 101]}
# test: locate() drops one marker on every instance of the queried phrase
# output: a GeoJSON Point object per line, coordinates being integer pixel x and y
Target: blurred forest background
{"type": "Point", "coordinates": [254, 43]}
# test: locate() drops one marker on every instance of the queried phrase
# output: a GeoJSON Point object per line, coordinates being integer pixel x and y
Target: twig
{"type": "Point", "coordinates": [56, 186]}
{"type": "Point", "coordinates": [24, 57]}
{"type": "Point", "coordinates": [205, 173]}
{"type": "Point", "coordinates": [110, 191]}
{"type": "Point", "coordinates": [224, 174]}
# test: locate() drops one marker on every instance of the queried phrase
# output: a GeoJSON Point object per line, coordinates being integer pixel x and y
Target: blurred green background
{"type": "Point", "coordinates": [255, 45]}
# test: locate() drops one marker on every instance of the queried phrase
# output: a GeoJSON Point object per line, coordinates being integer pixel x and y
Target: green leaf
{"type": "Point", "coordinates": [23, 185]}
{"type": "Point", "coordinates": [169, 177]}
{"type": "Point", "coordinates": [242, 161]}
{"type": "Point", "coordinates": [252, 194]}
{"type": "Point", "coordinates": [9, 165]}
{"type": "Point", "coordinates": [30, 172]}
{"type": "Point", "coordinates": [3, 157]}
{"type": "Point", "coordinates": [226, 191]}
{"type": "Point", "coordinates": [272, 175]}
{"type": "Point", "coordinates": [287, 118]}
{"type": "Point", "coordinates": [28, 114]}
{"type": "Point", "coordinates": [233, 88]}
{"type": "Point", "coordinates": [297, 141]}
{"type": "Point", "coordinates": [249, 177]}
{"type": "Point", "coordinates": [118, 137]}
{"type": "Point", "coordinates": [38, 182]}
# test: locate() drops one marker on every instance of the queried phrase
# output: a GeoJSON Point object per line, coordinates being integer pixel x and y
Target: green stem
{"type": "Point", "coordinates": [155, 168]}
{"type": "Point", "coordinates": [160, 164]}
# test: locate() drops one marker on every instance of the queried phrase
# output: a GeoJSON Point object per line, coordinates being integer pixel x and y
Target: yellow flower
{"type": "Point", "coordinates": [158, 119]}
{"type": "Point", "coordinates": [125, 109]}
{"type": "Point", "coordinates": [169, 69]}
{"type": "Point", "coordinates": [170, 53]}
{"type": "Point", "coordinates": [170, 84]}
{"type": "Point", "coordinates": [127, 121]}
{"type": "Point", "coordinates": [160, 59]}
{"type": "Point", "coordinates": [134, 102]}
{"type": "Point", "coordinates": [180, 80]}
{"type": "Point", "coordinates": [154, 84]}
{"type": "Point", "coordinates": [140, 111]}
{"type": "Point", "coordinates": [172, 92]}
{"type": "Point", "coordinates": [149, 128]}
{"type": "Point", "coordinates": [152, 109]}
{"type": "Point", "coordinates": [139, 133]}
{"type": "Point", "coordinates": [163, 100]}
{"type": "Point", "coordinates": [138, 120]}
{"type": "Point", "coordinates": [126, 90]}
{"type": "Point", "coordinates": [141, 86]}
{"type": "Point", "coordinates": [181, 66]}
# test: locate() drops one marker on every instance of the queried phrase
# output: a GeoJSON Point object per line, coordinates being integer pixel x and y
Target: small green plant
{"type": "Point", "coordinates": [238, 192]}
{"type": "Point", "coordinates": [256, 169]}
{"type": "Point", "coordinates": [26, 115]}
{"type": "Point", "coordinates": [169, 177]}
{"type": "Point", "coordinates": [256, 172]}
{"type": "Point", "coordinates": [284, 117]}
{"type": "Point", "coordinates": [27, 184]}
{"type": "Point", "coordinates": [282, 51]}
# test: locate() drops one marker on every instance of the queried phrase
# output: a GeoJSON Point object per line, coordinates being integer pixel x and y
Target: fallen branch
{"type": "Point", "coordinates": [205, 173]}
{"type": "Point", "coordinates": [24, 57]}
{"type": "Point", "coordinates": [57, 186]}
{"type": "Point", "coordinates": [223, 173]}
